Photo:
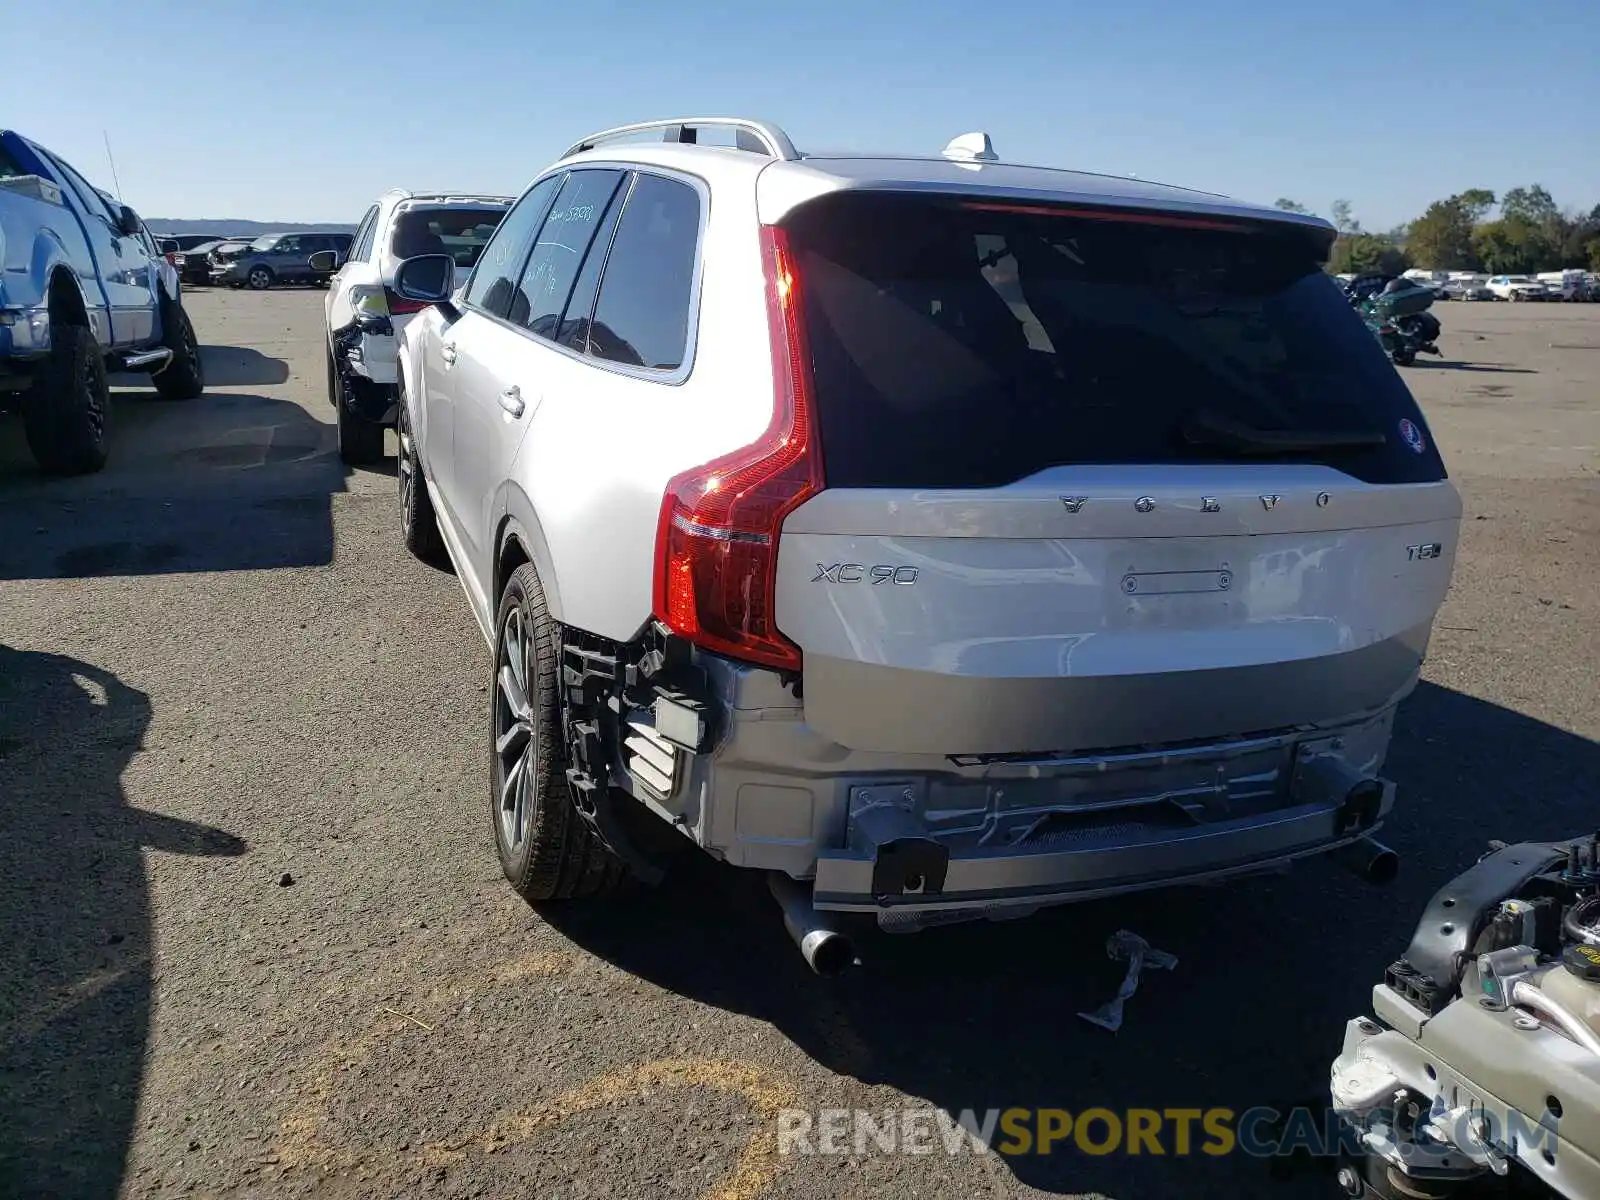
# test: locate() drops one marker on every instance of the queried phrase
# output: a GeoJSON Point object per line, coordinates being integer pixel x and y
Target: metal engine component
{"type": "Point", "coordinates": [1481, 1075]}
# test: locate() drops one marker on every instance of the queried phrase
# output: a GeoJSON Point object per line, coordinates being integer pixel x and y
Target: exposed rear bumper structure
{"type": "Point", "coordinates": [922, 839]}
{"type": "Point", "coordinates": [895, 869]}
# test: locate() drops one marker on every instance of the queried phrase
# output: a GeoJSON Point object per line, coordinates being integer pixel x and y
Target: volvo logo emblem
{"type": "Point", "coordinates": [1074, 503]}
{"type": "Point", "coordinates": [1269, 502]}
{"type": "Point", "coordinates": [1322, 499]}
{"type": "Point", "coordinates": [1210, 504]}
{"type": "Point", "coordinates": [1145, 504]}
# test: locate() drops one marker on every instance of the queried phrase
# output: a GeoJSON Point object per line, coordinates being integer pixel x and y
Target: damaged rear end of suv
{"type": "Point", "coordinates": [1089, 546]}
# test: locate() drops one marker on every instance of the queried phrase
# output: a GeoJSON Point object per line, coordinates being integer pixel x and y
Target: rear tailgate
{"type": "Point", "coordinates": [1023, 546]}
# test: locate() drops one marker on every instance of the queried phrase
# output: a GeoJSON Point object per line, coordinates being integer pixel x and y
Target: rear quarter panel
{"type": "Point", "coordinates": [603, 444]}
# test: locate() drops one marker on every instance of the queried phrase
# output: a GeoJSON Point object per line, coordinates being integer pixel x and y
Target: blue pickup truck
{"type": "Point", "coordinates": [83, 292]}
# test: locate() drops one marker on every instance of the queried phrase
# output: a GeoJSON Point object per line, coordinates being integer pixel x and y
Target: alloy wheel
{"type": "Point", "coordinates": [405, 463]}
{"type": "Point", "coordinates": [516, 743]}
{"type": "Point", "coordinates": [260, 279]}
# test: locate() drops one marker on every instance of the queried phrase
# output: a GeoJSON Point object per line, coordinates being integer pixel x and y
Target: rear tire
{"type": "Point", "coordinates": [547, 850]}
{"type": "Point", "coordinates": [183, 378]}
{"type": "Point", "coordinates": [67, 411]}
{"type": "Point", "coordinates": [419, 526]}
{"type": "Point", "coordinates": [1404, 358]}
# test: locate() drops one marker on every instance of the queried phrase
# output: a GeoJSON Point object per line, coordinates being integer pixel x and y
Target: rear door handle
{"type": "Point", "coordinates": [448, 353]}
{"type": "Point", "coordinates": [511, 400]}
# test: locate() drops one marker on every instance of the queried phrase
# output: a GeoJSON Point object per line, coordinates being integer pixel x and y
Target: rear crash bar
{"type": "Point", "coordinates": [892, 864]}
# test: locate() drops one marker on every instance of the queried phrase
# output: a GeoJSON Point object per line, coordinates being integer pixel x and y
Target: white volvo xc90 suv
{"type": "Point", "coordinates": [942, 536]}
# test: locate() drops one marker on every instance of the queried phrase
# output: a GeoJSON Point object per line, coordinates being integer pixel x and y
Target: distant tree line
{"type": "Point", "coordinates": [1529, 234]}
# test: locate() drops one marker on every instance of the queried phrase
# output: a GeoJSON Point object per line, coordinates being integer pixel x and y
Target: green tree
{"type": "Point", "coordinates": [1476, 202]}
{"type": "Point", "coordinates": [1441, 238]}
{"type": "Point", "coordinates": [1288, 205]}
{"type": "Point", "coordinates": [1531, 204]}
{"type": "Point", "coordinates": [1534, 206]}
{"type": "Point", "coordinates": [1343, 219]}
{"type": "Point", "coordinates": [1511, 246]}
{"type": "Point", "coordinates": [1359, 253]}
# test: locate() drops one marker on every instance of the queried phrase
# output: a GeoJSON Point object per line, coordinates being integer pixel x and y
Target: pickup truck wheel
{"type": "Point", "coordinates": [68, 408]}
{"type": "Point", "coordinates": [184, 377]}
{"type": "Point", "coordinates": [547, 850]}
{"type": "Point", "coordinates": [418, 525]}
{"type": "Point", "coordinates": [260, 278]}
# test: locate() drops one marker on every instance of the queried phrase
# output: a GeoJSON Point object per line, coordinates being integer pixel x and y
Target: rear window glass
{"type": "Point", "coordinates": [971, 344]}
{"type": "Point", "coordinates": [462, 233]}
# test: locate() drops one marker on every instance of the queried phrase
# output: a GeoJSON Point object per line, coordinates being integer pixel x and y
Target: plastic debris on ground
{"type": "Point", "coordinates": [1139, 955]}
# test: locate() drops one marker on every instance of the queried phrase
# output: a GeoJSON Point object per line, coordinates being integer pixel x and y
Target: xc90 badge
{"type": "Point", "coordinates": [857, 573]}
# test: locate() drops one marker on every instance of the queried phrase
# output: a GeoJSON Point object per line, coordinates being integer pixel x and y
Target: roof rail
{"type": "Point", "coordinates": [757, 137]}
{"type": "Point", "coordinates": [460, 197]}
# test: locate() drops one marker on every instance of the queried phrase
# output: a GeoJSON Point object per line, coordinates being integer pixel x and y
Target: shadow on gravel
{"type": "Point", "coordinates": [232, 481]}
{"type": "Point", "coordinates": [242, 366]}
{"type": "Point", "coordinates": [1485, 368]}
{"type": "Point", "coordinates": [1269, 969]}
{"type": "Point", "coordinates": [75, 970]}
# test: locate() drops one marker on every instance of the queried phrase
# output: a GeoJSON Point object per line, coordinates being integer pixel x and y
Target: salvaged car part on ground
{"type": "Point", "coordinates": [1480, 1076]}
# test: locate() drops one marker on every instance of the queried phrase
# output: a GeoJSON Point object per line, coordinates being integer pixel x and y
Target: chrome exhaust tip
{"type": "Point", "coordinates": [826, 951]}
{"type": "Point", "coordinates": [1369, 859]}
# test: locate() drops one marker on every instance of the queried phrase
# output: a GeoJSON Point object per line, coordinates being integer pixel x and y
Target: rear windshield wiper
{"type": "Point", "coordinates": [1207, 428]}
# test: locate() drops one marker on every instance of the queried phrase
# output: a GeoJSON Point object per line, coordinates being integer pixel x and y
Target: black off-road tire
{"type": "Point", "coordinates": [360, 440]}
{"type": "Point", "coordinates": [184, 378]}
{"type": "Point", "coordinates": [67, 410]}
{"type": "Point", "coordinates": [419, 527]}
{"type": "Point", "coordinates": [1404, 358]}
{"type": "Point", "coordinates": [559, 857]}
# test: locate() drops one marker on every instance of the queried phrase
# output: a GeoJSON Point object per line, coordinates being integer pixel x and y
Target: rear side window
{"type": "Point", "coordinates": [500, 265]}
{"type": "Point", "coordinates": [8, 165]}
{"type": "Point", "coordinates": [462, 233]}
{"type": "Point", "coordinates": [362, 246]}
{"type": "Point", "coordinates": [574, 330]}
{"type": "Point", "coordinates": [642, 315]}
{"type": "Point", "coordinates": [970, 344]}
{"type": "Point", "coordinates": [558, 253]}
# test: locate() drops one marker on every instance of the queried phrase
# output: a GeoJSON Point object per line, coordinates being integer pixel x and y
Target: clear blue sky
{"type": "Point", "coordinates": [301, 110]}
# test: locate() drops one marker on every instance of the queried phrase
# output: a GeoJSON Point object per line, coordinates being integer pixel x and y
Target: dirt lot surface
{"type": "Point", "coordinates": [256, 941]}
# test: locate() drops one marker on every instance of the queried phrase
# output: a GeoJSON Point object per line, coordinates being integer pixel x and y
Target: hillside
{"type": "Point", "coordinates": [221, 228]}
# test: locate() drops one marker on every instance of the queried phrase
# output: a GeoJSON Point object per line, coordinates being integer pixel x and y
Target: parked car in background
{"type": "Point", "coordinates": [185, 242]}
{"type": "Point", "coordinates": [225, 252]}
{"type": "Point", "coordinates": [1467, 289]}
{"type": "Point", "coordinates": [1516, 287]}
{"type": "Point", "coordinates": [84, 290]}
{"type": "Point", "coordinates": [364, 313]}
{"type": "Point", "coordinates": [194, 263]}
{"type": "Point", "coordinates": [802, 509]}
{"type": "Point", "coordinates": [279, 258]}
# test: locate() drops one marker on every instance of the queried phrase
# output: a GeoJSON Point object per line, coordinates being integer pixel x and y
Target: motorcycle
{"type": "Point", "coordinates": [1401, 322]}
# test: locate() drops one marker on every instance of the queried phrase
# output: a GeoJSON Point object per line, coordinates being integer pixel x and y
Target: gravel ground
{"type": "Point", "coordinates": [257, 942]}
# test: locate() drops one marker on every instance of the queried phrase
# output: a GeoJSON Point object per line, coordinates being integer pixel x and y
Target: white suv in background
{"type": "Point", "coordinates": [364, 313]}
{"type": "Point", "coordinates": [942, 536]}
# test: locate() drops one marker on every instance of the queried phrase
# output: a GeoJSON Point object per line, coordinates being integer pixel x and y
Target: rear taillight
{"type": "Point", "coordinates": [717, 541]}
{"type": "Point", "coordinates": [399, 306]}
